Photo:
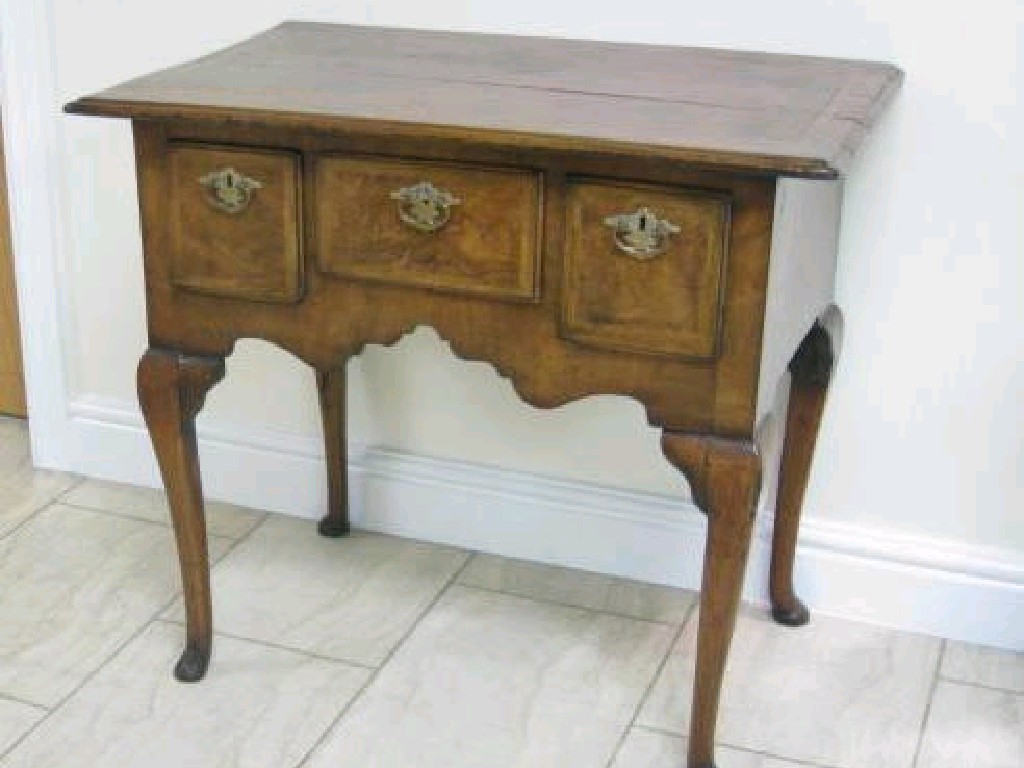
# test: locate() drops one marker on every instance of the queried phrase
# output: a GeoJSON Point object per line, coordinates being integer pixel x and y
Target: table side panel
{"type": "Point", "coordinates": [801, 281]}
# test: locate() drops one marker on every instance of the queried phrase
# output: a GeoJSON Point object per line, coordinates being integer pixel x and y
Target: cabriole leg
{"type": "Point", "coordinates": [725, 476]}
{"type": "Point", "coordinates": [810, 369]}
{"type": "Point", "coordinates": [331, 385]}
{"type": "Point", "coordinates": [172, 387]}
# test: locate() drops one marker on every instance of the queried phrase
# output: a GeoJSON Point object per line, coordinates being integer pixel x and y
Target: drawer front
{"type": "Point", "coordinates": [644, 268]}
{"type": "Point", "coordinates": [235, 222]}
{"type": "Point", "coordinates": [434, 225]}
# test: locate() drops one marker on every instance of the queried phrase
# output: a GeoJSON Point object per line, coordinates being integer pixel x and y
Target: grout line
{"type": "Point", "coordinates": [154, 617]}
{"type": "Point", "coordinates": [650, 685]}
{"type": "Point", "coordinates": [577, 607]}
{"type": "Point", "coordinates": [760, 752]}
{"type": "Point", "coordinates": [165, 523]}
{"type": "Point", "coordinates": [119, 515]}
{"type": "Point", "coordinates": [980, 686]}
{"type": "Point", "coordinates": [391, 654]}
{"type": "Point", "coordinates": [928, 704]}
{"type": "Point", "coordinates": [24, 702]}
{"type": "Point", "coordinates": [41, 507]}
{"type": "Point", "coordinates": [232, 545]}
{"type": "Point", "coordinates": [88, 678]}
{"type": "Point", "coordinates": [235, 544]}
{"type": "Point", "coordinates": [214, 562]}
{"type": "Point", "coordinates": [111, 513]}
{"type": "Point", "coordinates": [107, 514]}
{"type": "Point", "coordinates": [772, 755]}
{"type": "Point", "coordinates": [661, 731]}
{"type": "Point", "coordinates": [276, 646]}
{"type": "Point", "coordinates": [80, 480]}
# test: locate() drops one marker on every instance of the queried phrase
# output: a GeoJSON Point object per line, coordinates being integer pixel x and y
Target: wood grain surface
{"type": "Point", "coordinates": [254, 254]}
{"type": "Point", "coordinates": [667, 304]}
{"type": "Point", "coordinates": [523, 340]}
{"type": "Point", "coordinates": [756, 111]}
{"type": "Point", "coordinates": [490, 245]}
{"type": "Point", "coordinates": [12, 381]}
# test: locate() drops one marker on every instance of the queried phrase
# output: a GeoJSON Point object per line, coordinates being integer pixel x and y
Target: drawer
{"type": "Point", "coordinates": [235, 222]}
{"type": "Point", "coordinates": [439, 226]}
{"type": "Point", "coordinates": [644, 268]}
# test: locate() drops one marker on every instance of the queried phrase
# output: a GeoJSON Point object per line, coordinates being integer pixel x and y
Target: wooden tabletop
{"type": "Point", "coordinates": [770, 113]}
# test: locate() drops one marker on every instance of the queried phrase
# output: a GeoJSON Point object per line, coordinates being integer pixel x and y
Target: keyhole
{"type": "Point", "coordinates": [643, 221]}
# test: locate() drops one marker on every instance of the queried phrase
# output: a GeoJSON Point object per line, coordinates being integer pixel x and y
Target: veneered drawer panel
{"type": "Point", "coordinates": [235, 222]}
{"type": "Point", "coordinates": [436, 225]}
{"type": "Point", "coordinates": [644, 268]}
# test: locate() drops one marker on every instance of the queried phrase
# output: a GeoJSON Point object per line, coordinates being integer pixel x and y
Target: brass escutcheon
{"type": "Point", "coordinates": [228, 190]}
{"type": "Point", "coordinates": [425, 207]}
{"type": "Point", "coordinates": [641, 234]}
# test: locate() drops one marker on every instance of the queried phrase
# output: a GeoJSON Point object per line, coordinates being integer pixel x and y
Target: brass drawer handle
{"type": "Point", "coordinates": [641, 234]}
{"type": "Point", "coordinates": [424, 207]}
{"type": "Point", "coordinates": [228, 190]}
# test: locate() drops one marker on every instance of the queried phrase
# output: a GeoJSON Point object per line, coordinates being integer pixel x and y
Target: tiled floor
{"type": "Point", "coordinates": [377, 652]}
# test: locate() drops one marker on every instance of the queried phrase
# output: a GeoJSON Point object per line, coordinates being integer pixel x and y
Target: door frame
{"type": "Point", "coordinates": [32, 134]}
{"type": "Point", "coordinates": [12, 373]}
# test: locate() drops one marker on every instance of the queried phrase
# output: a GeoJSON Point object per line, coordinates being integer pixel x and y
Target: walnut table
{"type": "Point", "coordinates": [590, 218]}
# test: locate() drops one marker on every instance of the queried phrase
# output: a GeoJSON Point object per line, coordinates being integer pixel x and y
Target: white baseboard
{"type": "Point", "coordinates": [866, 574]}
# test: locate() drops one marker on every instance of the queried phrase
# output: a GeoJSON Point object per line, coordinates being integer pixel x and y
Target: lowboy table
{"type": "Point", "coordinates": [590, 218]}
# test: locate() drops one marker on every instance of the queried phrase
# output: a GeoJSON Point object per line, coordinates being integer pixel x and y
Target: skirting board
{"type": "Point", "coordinates": [873, 575]}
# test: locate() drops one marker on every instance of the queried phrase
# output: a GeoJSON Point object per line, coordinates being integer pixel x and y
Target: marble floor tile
{"type": "Point", "coordinates": [151, 504]}
{"type": "Point", "coordinates": [258, 707]}
{"type": "Point", "coordinates": [24, 489]}
{"type": "Point", "coordinates": [350, 599]}
{"type": "Point", "coordinates": [834, 693]}
{"type": "Point", "coordinates": [983, 666]}
{"type": "Point", "coordinates": [579, 588]}
{"type": "Point", "coordinates": [77, 584]}
{"type": "Point", "coordinates": [495, 680]}
{"type": "Point", "coordinates": [973, 727]}
{"type": "Point", "coordinates": [15, 719]}
{"type": "Point", "coordinates": [650, 749]}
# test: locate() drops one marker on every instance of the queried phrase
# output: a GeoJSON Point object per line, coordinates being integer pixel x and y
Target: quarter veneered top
{"type": "Point", "coordinates": [762, 112]}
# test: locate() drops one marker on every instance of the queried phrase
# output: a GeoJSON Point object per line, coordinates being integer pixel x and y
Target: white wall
{"type": "Point", "coordinates": [921, 440]}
